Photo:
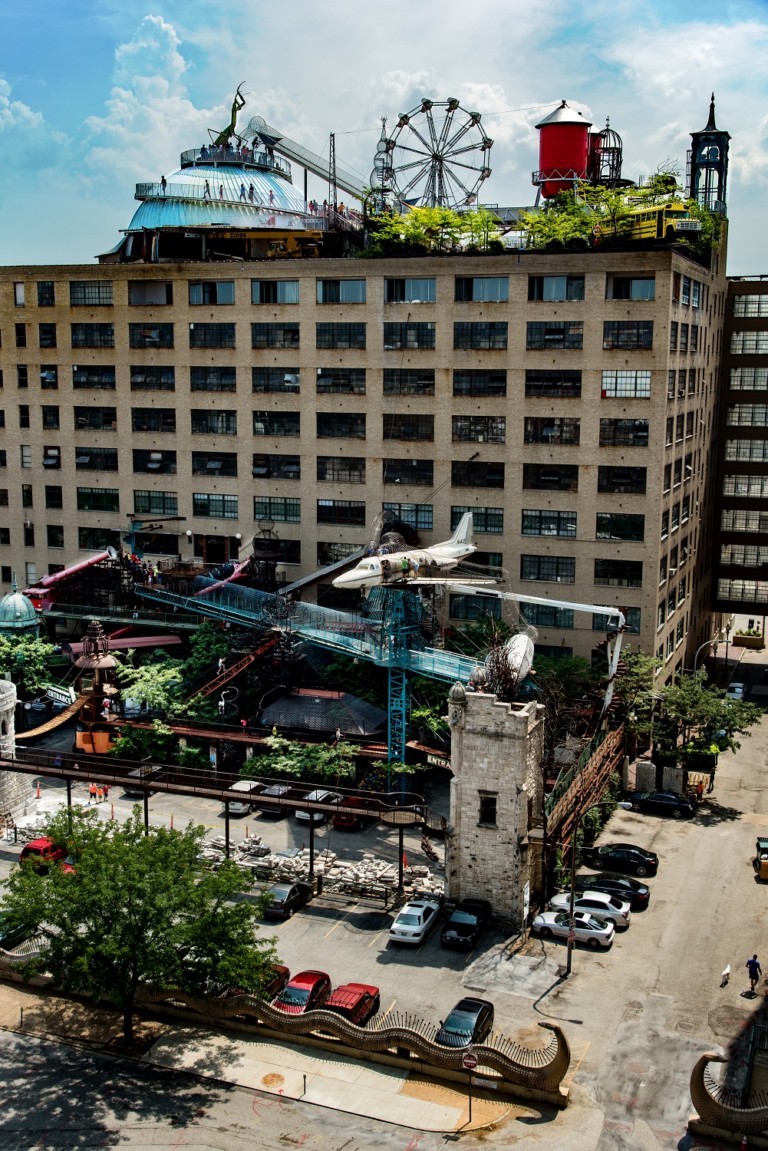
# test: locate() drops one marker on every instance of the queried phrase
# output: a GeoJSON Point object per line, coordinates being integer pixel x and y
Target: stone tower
{"type": "Point", "coordinates": [15, 788]}
{"type": "Point", "coordinates": [496, 800]}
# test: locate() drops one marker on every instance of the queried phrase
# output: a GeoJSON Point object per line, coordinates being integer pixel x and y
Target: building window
{"type": "Point", "coordinates": [54, 496]}
{"type": "Point", "coordinates": [675, 523]}
{"type": "Point", "coordinates": [95, 419]}
{"type": "Point", "coordinates": [548, 569]}
{"type": "Point", "coordinates": [418, 516]}
{"type": "Point", "coordinates": [29, 535]}
{"type": "Point", "coordinates": [5, 540]}
{"type": "Point", "coordinates": [155, 503]}
{"type": "Point", "coordinates": [556, 288]}
{"type": "Point", "coordinates": [277, 423]}
{"type": "Point", "coordinates": [746, 591]}
{"type": "Point", "coordinates": [274, 335]}
{"type": "Point", "coordinates": [150, 335]}
{"type": "Point", "coordinates": [410, 291]}
{"type": "Point", "coordinates": [743, 520]}
{"type": "Point", "coordinates": [276, 467]}
{"type": "Point", "coordinates": [22, 376]}
{"type": "Point", "coordinates": [153, 419]}
{"type": "Point", "coordinates": [752, 451]}
{"type": "Point", "coordinates": [414, 472]}
{"type": "Point", "coordinates": [25, 455]}
{"type": "Point", "coordinates": [264, 380]}
{"type": "Point", "coordinates": [627, 334]}
{"type": "Point", "coordinates": [400, 337]}
{"type": "Point", "coordinates": [96, 459]}
{"type": "Point", "coordinates": [329, 336]}
{"type": "Point", "coordinates": [278, 508]}
{"type": "Point", "coordinates": [96, 539]}
{"type": "Point", "coordinates": [747, 415]}
{"type": "Point", "coordinates": [482, 289]}
{"type": "Point", "coordinates": [93, 335]}
{"type": "Point", "coordinates": [490, 336]}
{"type": "Point", "coordinates": [211, 335]}
{"type": "Point", "coordinates": [341, 425]}
{"type": "Point", "coordinates": [159, 462]}
{"type": "Point", "coordinates": [749, 343]}
{"type": "Point", "coordinates": [619, 573]}
{"type": "Point", "coordinates": [626, 385]}
{"type": "Point", "coordinates": [619, 526]}
{"type": "Point", "coordinates": [408, 427]}
{"type": "Point", "coordinates": [476, 474]}
{"type": "Point", "coordinates": [744, 555]}
{"type": "Point", "coordinates": [752, 307]}
{"type": "Point", "coordinates": [18, 294]}
{"type": "Point", "coordinates": [340, 381]}
{"type": "Point", "coordinates": [210, 506]}
{"type": "Point", "coordinates": [409, 382]}
{"type": "Point", "coordinates": [26, 496]}
{"type": "Point", "coordinates": [341, 469]}
{"type": "Point", "coordinates": [630, 287]}
{"type": "Point", "coordinates": [210, 379]}
{"type": "Point", "coordinates": [686, 296]}
{"type": "Point", "coordinates": [3, 458]}
{"type": "Point", "coordinates": [487, 521]}
{"type": "Point", "coordinates": [151, 293]}
{"type": "Point", "coordinates": [479, 382]}
{"type": "Point", "coordinates": [684, 329]}
{"type": "Point", "coordinates": [212, 292]}
{"type": "Point", "coordinates": [745, 486]}
{"type": "Point", "coordinates": [213, 423]}
{"type": "Point", "coordinates": [624, 433]}
{"type": "Point", "coordinates": [341, 291]}
{"type": "Point", "coordinates": [749, 379]}
{"type": "Point", "coordinates": [90, 293]}
{"type": "Point", "coordinates": [349, 512]}
{"type": "Point", "coordinates": [629, 481]}
{"type": "Point", "coordinates": [214, 464]}
{"type": "Point", "coordinates": [98, 500]}
{"type": "Point", "coordinates": [545, 522]}
{"type": "Point", "coordinates": [470, 608]}
{"type": "Point", "coordinates": [46, 335]}
{"type": "Point", "coordinates": [608, 622]}
{"type": "Point", "coordinates": [479, 429]}
{"type": "Point", "coordinates": [551, 477]}
{"type": "Point", "coordinates": [46, 296]}
{"type": "Point", "coordinates": [542, 615]}
{"type": "Point", "coordinates": [274, 291]}
{"type": "Point", "coordinates": [52, 458]}
{"type": "Point", "coordinates": [94, 377]}
{"type": "Point", "coordinates": [49, 377]}
{"type": "Point", "coordinates": [551, 430]}
{"type": "Point", "coordinates": [23, 415]}
{"type": "Point", "coordinates": [21, 335]}
{"type": "Point", "coordinates": [554, 334]}
{"type": "Point", "coordinates": [152, 379]}
{"type": "Point", "coordinates": [553, 383]}
{"type": "Point", "coordinates": [331, 553]}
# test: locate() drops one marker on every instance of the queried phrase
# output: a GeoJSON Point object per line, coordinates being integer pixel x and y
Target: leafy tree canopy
{"type": "Point", "coordinates": [24, 659]}
{"type": "Point", "coordinates": [303, 760]}
{"type": "Point", "coordinates": [429, 230]}
{"type": "Point", "coordinates": [139, 910]}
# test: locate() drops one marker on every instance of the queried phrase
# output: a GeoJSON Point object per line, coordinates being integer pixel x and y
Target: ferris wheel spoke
{"type": "Point", "coordinates": [417, 179]}
{"type": "Point", "coordinates": [431, 126]}
{"type": "Point", "coordinates": [462, 151]}
{"type": "Point", "coordinates": [452, 180]}
{"type": "Point", "coordinates": [426, 144]}
{"type": "Point", "coordinates": [413, 163]}
{"type": "Point", "coordinates": [445, 133]}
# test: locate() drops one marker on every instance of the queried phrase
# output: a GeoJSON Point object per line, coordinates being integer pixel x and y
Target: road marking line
{"type": "Point", "coordinates": [390, 1008]}
{"type": "Point", "coordinates": [376, 936]}
{"type": "Point", "coordinates": [339, 922]}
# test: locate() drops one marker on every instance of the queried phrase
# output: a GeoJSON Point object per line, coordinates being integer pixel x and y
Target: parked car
{"type": "Point", "coordinates": [470, 1021]}
{"type": "Point", "coordinates": [736, 691]}
{"type": "Point", "coordinates": [638, 894]}
{"type": "Point", "coordinates": [42, 853]}
{"type": "Point", "coordinates": [307, 990]}
{"type": "Point", "coordinates": [662, 803]}
{"type": "Point", "coordinates": [13, 933]}
{"type": "Point", "coordinates": [413, 923]}
{"type": "Point", "coordinates": [242, 794]}
{"type": "Point", "coordinates": [318, 796]}
{"type": "Point", "coordinates": [621, 857]}
{"type": "Point", "coordinates": [265, 800]}
{"type": "Point", "coordinates": [278, 981]}
{"type": "Point", "coordinates": [350, 821]}
{"type": "Point", "coordinates": [597, 903]}
{"type": "Point", "coordinates": [356, 1002]}
{"type": "Point", "coordinates": [594, 932]}
{"type": "Point", "coordinates": [132, 788]}
{"type": "Point", "coordinates": [468, 921]}
{"type": "Point", "coordinates": [285, 898]}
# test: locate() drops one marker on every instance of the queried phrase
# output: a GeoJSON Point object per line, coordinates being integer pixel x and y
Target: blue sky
{"type": "Point", "coordinates": [98, 95]}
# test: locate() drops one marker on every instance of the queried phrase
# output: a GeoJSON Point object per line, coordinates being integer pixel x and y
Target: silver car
{"type": "Point", "coordinates": [597, 903]}
{"type": "Point", "coordinates": [586, 928]}
{"type": "Point", "coordinates": [414, 922]}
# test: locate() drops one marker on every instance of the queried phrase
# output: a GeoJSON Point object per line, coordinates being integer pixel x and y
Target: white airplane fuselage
{"type": "Point", "coordinates": [400, 567]}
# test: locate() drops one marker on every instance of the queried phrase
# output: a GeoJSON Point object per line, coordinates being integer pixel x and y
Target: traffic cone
{"type": "Point", "coordinates": [112, 812]}
{"type": "Point", "coordinates": [37, 792]}
{"type": "Point", "coordinates": [171, 821]}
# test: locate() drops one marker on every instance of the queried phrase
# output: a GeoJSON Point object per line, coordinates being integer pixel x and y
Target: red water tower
{"type": "Point", "coordinates": [563, 150]}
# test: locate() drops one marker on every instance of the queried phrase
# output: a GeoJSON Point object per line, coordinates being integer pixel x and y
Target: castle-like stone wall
{"type": "Point", "coordinates": [496, 800]}
{"type": "Point", "coordinates": [15, 789]}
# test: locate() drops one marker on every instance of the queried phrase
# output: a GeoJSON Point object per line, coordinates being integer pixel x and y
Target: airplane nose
{"type": "Point", "coordinates": [346, 579]}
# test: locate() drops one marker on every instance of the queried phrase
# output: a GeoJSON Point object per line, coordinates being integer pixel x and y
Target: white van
{"type": "Point", "coordinates": [240, 803]}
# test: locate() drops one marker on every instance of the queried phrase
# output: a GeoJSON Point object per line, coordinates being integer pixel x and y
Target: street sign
{"type": "Point", "coordinates": [470, 1061]}
{"type": "Point", "coordinates": [571, 936]}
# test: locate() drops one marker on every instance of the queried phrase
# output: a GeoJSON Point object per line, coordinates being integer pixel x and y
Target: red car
{"type": "Point", "coordinates": [357, 1002]}
{"type": "Point", "coordinates": [280, 976]}
{"type": "Point", "coordinates": [42, 853]}
{"type": "Point", "coordinates": [307, 990]}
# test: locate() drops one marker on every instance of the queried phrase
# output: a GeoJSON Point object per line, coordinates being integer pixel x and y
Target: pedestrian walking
{"type": "Point", "coordinates": [220, 667]}
{"type": "Point", "coordinates": [251, 192]}
{"type": "Point", "coordinates": [163, 183]}
{"type": "Point", "coordinates": [271, 197]}
{"type": "Point", "coordinates": [700, 791]}
{"type": "Point", "coordinates": [91, 793]}
{"type": "Point", "coordinates": [221, 191]}
{"type": "Point", "coordinates": [106, 791]}
{"type": "Point", "coordinates": [242, 191]}
{"type": "Point", "coordinates": [99, 793]}
{"type": "Point", "coordinates": [207, 191]}
{"type": "Point", "coordinates": [755, 971]}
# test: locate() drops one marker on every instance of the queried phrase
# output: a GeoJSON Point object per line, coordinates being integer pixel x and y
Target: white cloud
{"type": "Point", "coordinates": [16, 117]}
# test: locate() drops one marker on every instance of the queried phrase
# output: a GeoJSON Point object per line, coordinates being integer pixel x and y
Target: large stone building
{"type": "Point", "coordinates": [566, 398]}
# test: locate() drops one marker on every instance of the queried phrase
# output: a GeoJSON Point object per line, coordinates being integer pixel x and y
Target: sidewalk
{"type": "Point", "coordinates": [339, 1082]}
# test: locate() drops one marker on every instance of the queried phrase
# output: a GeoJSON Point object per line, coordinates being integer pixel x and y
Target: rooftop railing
{"type": "Point", "coordinates": [236, 157]}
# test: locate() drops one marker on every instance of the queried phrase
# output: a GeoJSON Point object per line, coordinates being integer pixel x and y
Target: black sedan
{"type": "Point", "coordinates": [470, 1021]}
{"type": "Point", "coordinates": [468, 921]}
{"type": "Point", "coordinates": [285, 898]}
{"type": "Point", "coordinates": [633, 890]}
{"type": "Point", "coordinates": [621, 857]}
{"type": "Point", "coordinates": [661, 803]}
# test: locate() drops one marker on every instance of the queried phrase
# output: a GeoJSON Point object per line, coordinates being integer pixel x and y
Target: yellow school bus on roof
{"type": "Point", "coordinates": [657, 222]}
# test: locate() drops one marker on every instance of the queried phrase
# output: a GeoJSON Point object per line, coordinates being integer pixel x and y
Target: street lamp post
{"type": "Point", "coordinates": [707, 643]}
{"type": "Point", "coordinates": [727, 640]}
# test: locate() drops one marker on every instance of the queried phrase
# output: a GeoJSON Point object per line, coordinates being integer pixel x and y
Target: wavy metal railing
{"type": "Point", "coordinates": [718, 1107]}
{"type": "Point", "coordinates": [542, 1070]}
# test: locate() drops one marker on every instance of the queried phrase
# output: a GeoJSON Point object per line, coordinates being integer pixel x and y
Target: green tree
{"type": "Point", "coordinates": [303, 760]}
{"type": "Point", "coordinates": [139, 910]}
{"type": "Point", "coordinates": [428, 230]}
{"type": "Point", "coordinates": [155, 684]}
{"type": "Point", "coordinates": [635, 693]}
{"type": "Point", "coordinates": [154, 742]}
{"type": "Point", "coordinates": [24, 659]}
{"type": "Point", "coordinates": [697, 718]}
{"type": "Point", "coordinates": [207, 644]}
